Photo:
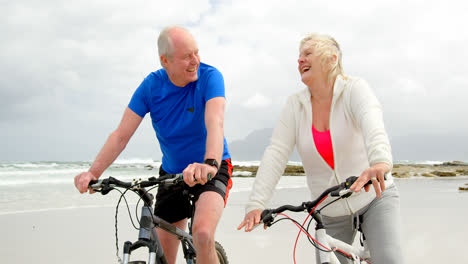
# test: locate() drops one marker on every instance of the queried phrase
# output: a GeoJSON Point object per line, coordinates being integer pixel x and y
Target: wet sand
{"type": "Point", "coordinates": [434, 218]}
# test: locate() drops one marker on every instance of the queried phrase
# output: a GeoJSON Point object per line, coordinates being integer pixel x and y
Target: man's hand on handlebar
{"type": "Point", "coordinates": [82, 181]}
{"type": "Point", "coordinates": [198, 173]}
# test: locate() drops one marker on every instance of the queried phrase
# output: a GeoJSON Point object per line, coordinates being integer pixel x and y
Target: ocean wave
{"type": "Point", "coordinates": [257, 163]}
{"type": "Point", "coordinates": [422, 162]}
{"type": "Point", "coordinates": [241, 173]}
{"type": "Point", "coordinates": [24, 182]}
{"type": "Point", "coordinates": [62, 171]}
{"type": "Point", "coordinates": [136, 161]}
{"type": "Point", "coordinates": [28, 165]}
{"type": "Point", "coordinates": [246, 163]}
{"type": "Point", "coordinates": [36, 165]}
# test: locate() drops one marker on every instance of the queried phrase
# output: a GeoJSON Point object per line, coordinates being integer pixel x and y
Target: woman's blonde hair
{"type": "Point", "coordinates": [326, 48]}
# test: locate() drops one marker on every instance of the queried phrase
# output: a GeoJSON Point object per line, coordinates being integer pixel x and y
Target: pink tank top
{"type": "Point", "coordinates": [324, 145]}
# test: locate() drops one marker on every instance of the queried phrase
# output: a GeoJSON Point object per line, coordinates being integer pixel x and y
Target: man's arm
{"type": "Point", "coordinates": [115, 144]}
{"type": "Point", "coordinates": [214, 122]}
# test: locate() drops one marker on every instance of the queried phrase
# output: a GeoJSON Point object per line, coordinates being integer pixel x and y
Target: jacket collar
{"type": "Point", "coordinates": [338, 87]}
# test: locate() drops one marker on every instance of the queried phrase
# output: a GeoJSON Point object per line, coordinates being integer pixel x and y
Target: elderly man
{"type": "Point", "coordinates": [186, 103]}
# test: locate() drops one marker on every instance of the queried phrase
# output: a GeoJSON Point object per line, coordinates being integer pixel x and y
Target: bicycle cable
{"type": "Point", "coordinates": [337, 199]}
{"type": "Point", "coordinates": [301, 228]}
{"type": "Point", "coordinates": [314, 242]}
{"type": "Point", "coordinates": [136, 207]}
{"type": "Point", "coordinates": [306, 231]}
{"type": "Point", "coordinates": [310, 221]}
{"type": "Point", "coordinates": [122, 195]}
{"type": "Point", "coordinates": [346, 255]}
{"type": "Point", "coordinates": [310, 240]}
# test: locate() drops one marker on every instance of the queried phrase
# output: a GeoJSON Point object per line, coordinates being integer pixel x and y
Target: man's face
{"type": "Point", "coordinates": [182, 65]}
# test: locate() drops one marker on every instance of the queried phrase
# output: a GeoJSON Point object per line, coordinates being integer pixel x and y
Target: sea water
{"type": "Point", "coordinates": [39, 186]}
{"type": "Point", "coordinates": [433, 211]}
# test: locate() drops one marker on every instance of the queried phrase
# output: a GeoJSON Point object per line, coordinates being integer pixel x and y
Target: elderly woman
{"type": "Point", "coordinates": [337, 126]}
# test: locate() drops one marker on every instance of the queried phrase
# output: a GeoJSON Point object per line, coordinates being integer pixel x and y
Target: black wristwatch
{"type": "Point", "coordinates": [212, 162]}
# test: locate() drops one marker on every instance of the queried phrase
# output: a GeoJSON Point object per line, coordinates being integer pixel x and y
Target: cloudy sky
{"type": "Point", "coordinates": [69, 68]}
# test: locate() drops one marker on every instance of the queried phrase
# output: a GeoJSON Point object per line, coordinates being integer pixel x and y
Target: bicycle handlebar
{"type": "Point", "coordinates": [341, 190]}
{"type": "Point", "coordinates": [106, 185]}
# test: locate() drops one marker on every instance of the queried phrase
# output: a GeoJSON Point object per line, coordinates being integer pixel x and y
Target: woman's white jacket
{"type": "Point", "coordinates": [358, 138]}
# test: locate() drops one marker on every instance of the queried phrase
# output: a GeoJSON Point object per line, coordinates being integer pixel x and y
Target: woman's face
{"type": "Point", "coordinates": [309, 65]}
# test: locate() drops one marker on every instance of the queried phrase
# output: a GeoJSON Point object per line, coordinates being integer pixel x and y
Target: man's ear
{"type": "Point", "coordinates": [163, 59]}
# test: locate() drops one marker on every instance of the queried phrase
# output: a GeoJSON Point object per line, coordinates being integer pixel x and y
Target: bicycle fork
{"type": "Point", "coordinates": [146, 238]}
{"type": "Point", "coordinates": [333, 244]}
{"type": "Point", "coordinates": [329, 245]}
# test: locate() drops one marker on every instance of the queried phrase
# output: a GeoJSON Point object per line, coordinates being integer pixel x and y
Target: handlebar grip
{"type": "Point", "coordinates": [267, 217]}
{"type": "Point", "coordinates": [347, 184]}
{"type": "Point", "coordinates": [91, 182]}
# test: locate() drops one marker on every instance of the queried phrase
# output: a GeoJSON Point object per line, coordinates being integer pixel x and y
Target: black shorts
{"type": "Point", "coordinates": [173, 205]}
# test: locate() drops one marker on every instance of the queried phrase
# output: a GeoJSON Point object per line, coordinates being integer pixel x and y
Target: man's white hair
{"type": "Point", "coordinates": [165, 45]}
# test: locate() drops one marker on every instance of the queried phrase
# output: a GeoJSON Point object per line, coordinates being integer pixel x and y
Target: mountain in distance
{"type": "Point", "coordinates": [253, 146]}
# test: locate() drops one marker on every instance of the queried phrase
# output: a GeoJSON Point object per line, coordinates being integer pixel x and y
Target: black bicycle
{"type": "Point", "coordinates": [149, 222]}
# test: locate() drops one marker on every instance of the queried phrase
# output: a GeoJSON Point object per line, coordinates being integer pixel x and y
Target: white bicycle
{"type": "Point", "coordinates": [327, 246]}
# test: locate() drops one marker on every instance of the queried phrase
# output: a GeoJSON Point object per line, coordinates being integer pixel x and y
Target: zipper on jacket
{"type": "Point", "coordinates": [334, 156]}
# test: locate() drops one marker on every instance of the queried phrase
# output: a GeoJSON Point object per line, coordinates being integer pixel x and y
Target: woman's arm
{"type": "Point", "coordinates": [367, 112]}
{"type": "Point", "coordinates": [272, 166]}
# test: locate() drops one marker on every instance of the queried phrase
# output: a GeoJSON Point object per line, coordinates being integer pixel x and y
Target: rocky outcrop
{"type": "Point", "coordinates": [290, 170]}
{"type": "Point", "coordinates": [444, 173]}
{"type": "Point", "coordinates": [446, 169]}
{"type": "Point", "coordinates": [453, 163]}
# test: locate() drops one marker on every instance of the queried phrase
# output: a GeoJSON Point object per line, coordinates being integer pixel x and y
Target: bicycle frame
{"type": "Point", "coordinates": [148, 237]}
{"type": "Point", "coordinates": [330, 242]}
{"type": "Point", "coordinates": [329, 245]}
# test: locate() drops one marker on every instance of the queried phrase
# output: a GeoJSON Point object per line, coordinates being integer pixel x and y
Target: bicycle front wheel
{"type": "Point", "coordinates": [222, 256]}
{"type": "Point", "coordinates": [220, 252]}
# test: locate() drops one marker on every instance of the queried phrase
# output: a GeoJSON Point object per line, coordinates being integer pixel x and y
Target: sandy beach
{"type": "Point", "coordinates": [434, 218]}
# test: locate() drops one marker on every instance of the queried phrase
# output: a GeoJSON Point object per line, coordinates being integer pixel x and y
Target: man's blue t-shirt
{"type": "Point", "coordinates": [178, 114]}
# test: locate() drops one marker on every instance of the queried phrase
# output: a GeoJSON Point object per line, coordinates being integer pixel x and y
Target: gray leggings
{"type": "Point", "coordinates": [380, 226]}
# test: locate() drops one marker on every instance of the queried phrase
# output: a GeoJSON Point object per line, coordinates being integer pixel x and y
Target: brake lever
{"type": "Point", "coordinates": [102, 186]}
{"type": "Point", "coordinates": [105, 190]}
{"type": "Point", "coordinates": [173, 181]}
{"type": "Point", "coordinates": [344, 191]}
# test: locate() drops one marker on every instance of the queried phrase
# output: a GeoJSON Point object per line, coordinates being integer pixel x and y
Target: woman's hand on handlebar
{"type": "Point", "coordinates": [198, 173]}
{"type": "Point", "coordinates": [82, 181]}
{"type": "Point", "coordinates": [375, 174]}
{"type": "Point", "coordinates": [251, 220]}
